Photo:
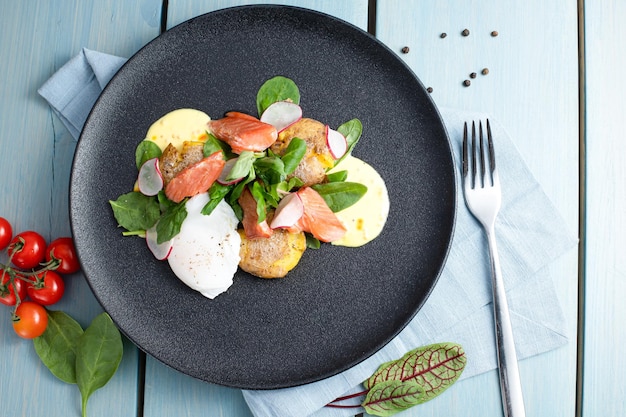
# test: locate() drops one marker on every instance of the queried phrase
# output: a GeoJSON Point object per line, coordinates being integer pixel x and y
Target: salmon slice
{"type": "Point", "coordinates": [196, 178]}
{"type": "Point", "coordinates": [318, 219]}
{"type": "Point", "coordinates": [243, 132]}
{"type": "Point", "coordinates": [240, 114]}
{"type": "Point", "coordinates": [251, 225]}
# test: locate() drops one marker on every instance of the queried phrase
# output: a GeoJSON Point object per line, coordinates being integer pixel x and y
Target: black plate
{"type": "Point", "coordinates": [340, 305]}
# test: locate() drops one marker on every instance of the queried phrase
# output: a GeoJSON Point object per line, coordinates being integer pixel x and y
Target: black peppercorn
{"type": "Point", "coordinates": [473, 75]}
{"type": "Point", "coordinates": [429, 89]}
{"type": "Point", "coordinates": [485, 71]}
{"type": "Point", "coordinates": [467, 83]}
{"type": "Point", "coordinates": [465, 32]}
{"type": "Point", "coordinates": [405, 50]}
{"type": "Point", "coordinates": [494, 33]}
{"type": "Point", "coordinates": [443, 35]}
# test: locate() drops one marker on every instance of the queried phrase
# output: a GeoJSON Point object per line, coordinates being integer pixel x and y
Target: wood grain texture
{"type": "Point", "coordinates": [35, 163]}
{"type": "Point", "coordinates": [605, 216]}
{"type": "Point", "coordinates": [532, 90]}
{"type": "Point", "coordinates": [353, 11]}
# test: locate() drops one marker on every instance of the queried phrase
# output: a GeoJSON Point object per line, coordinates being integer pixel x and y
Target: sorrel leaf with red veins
{"type": "Point", "coordinates": [434, 368]}
{"type": "Point", "coordinates": [390, 397]}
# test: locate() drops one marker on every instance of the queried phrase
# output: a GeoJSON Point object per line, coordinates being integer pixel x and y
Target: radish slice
{"type": "Point", "coordinates": [282, 114]}
{"type": "Point", "coordinates": [288, 212]}
{"type": "Point", "coordinates": [150, 180]}
{"type": "Point", "coordinates": [160, 250]}
{"type": "Point", "coordinates": [337, 143]}
{"type": "Point", "coordinates": [223, 178]}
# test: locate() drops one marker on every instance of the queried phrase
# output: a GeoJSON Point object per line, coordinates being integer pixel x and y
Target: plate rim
{"type": "Point", "coordinates": [380, 44]}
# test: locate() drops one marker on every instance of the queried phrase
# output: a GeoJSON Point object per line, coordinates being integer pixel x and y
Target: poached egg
{"type": "Point", "coordinates": [205, 254]}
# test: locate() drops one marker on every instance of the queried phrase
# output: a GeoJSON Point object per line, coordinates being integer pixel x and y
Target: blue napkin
{"type": "Point", "coordinates": [530, 232]}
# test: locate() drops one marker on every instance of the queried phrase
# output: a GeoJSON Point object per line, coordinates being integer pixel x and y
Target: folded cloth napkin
{"type": "Point", "coordinates": [531, 234]}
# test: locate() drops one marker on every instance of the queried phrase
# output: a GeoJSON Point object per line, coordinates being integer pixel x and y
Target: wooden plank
{"type": "Point", "coordinates": [353, 11]}
{"type": "Point", "coordinates": [169, 392]}
{"type": "Point", "coordinates": [531, 89]}
{"type": "Point", "coordinates": [605, 216]}
{"type": "Point", "coordinates": [35, 163]}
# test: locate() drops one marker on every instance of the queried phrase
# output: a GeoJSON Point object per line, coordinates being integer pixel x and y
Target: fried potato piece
{"type": "Point", "coordinates": [317, 159]}
{"type": "Point", "coordinates": [271, 257]}
{"type": "Point", "coordinates": [173, 161]}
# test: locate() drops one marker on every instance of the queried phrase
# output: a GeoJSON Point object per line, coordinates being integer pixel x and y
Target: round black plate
{"type": "Point", "coordinates": [340, 305]}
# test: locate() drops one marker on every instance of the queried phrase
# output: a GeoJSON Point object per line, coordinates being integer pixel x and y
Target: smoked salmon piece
{"type": "Point", "coordinates": [243, 132]}
{"type": "Point", "coordinates": [251, 226]}
{"type": "Point", "coordinates": [196, 178]}
{"type": "Point", "coordinates": [318, 219]}
{"type": "Point", "coordinates": [240, 114]}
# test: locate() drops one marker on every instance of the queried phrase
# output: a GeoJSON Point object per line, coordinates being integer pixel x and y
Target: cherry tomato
{"type": "Point", "coordinates": [28, 249]}
{"type": "Point", "coordinates": [6, 233]}
{"type": "Point", "coordinates": [48, 290]}
{"type": "Point", "coordinates": [31, 320]}
{"type": "Point", "coordinates": [7, 290]}
{"type": "Point", "coordinates": [64, 250]}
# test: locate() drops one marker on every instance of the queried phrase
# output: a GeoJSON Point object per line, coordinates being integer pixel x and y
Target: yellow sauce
{"type": "Point", "coordinates": [366, 218]}
{"type": "Point", "coordinates": [179, 126]}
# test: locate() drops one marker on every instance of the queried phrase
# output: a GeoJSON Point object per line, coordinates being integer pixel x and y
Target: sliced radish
{"type": "Point", "coordinates": [288, 212]}
{"type": "Point", "coordinates": [160, 250]}
{"type": "Point", "coordinates": [150, 180]}
{"type": "Point", "coordinates": [337, 143]}
{"type": "Point", "coordinates": [223, 178]}
{"type": "Point", "coordinates": [282, 114]}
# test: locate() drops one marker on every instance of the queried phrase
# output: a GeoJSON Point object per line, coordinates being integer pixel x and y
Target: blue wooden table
{"type": "Point", "coordinates": [555, 83]}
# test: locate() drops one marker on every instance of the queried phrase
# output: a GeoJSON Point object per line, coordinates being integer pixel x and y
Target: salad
{"type": "Point", "coordinates": [246, 192]}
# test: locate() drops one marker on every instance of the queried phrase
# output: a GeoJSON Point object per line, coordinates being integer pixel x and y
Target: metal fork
{"type": "Point", "coordinates": [481, 187]}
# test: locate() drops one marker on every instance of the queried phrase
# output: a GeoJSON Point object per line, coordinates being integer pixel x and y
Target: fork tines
{"type": "Point", "coordinates": [469, 161]}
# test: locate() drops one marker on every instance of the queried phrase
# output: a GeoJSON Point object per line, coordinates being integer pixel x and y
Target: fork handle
{"type": "Point", "coordinates": [510, 385]}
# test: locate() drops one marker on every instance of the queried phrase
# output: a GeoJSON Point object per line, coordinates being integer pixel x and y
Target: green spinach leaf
{"type": "Point", "coordinates": [259, 195]}
{"type": "Point", "coordinates": [145, 151]}
{"type": "Point", "coordinates": [276, 89]}
{"type": "Point", "coordinates": [213, 145]}
{"type": "Point", "coordinates": [98, 356]}
{"type": "Point", "coordinates": [57, 346]}
{"type": "Point", "coordinates": [340, 195]}
{"type": "Point", "coordinates": [352, 130]}
{"type": "Point", "coordinates": [293, 155]}
{"type": "Point", "coordinates": [242, 167]}
{"type": "Point", "coordinates": [338, 176]}
{"type": "Point", "coordinates": [135, 211]}
{"type": "Point", "coordinates": [217, 192]}
{"type": "Point", "coordinates": [270, 169]}
{"type": "Point", "coordinates": [171, 221]}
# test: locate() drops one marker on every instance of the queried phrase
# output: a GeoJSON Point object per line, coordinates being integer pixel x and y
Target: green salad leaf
{"type": "Point", "coordinates": [86, 358]}
{"type": "Point", "coordinates": [56, 347]}
{"type": "Point", "coordinates": [276, 89]}
{"type": "Point", "coordinates": [267, 175]}
{"type": "Point", "coordinates": [340, 195]}
{"type": "Point", "coordinates": [171, 221]}
{"type": "Point", "coordinates": [419, 376]}
{"type": "Point", "coordinates": [135, 211]}
{"type": "Point", "coordinates": [145, 151]}
{"type": "Point", "coordinates": [98, 356]}
{"type": "Point", "coordinates": [390, 397]}
{"type": "Point", "coordinates": [352, 131]}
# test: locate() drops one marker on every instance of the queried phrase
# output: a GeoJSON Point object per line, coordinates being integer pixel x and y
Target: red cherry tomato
{"type": "Point", "coordinates": [7, 290]}
{"type": "Point", "coordinates": [31, 320]}
{"type": "Point", "coordinates": [6, 233]}
{"type": "Point", "coordinates": [28, 249]}
{"type": "Point", "coordinates": [64, 250]}
{"type": "Point", "coordinates": [48, 290]}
